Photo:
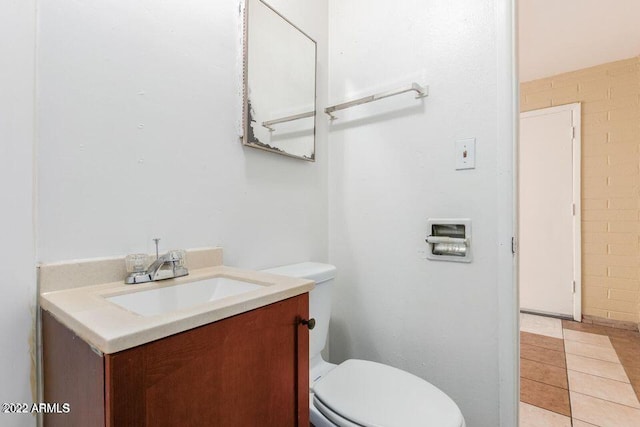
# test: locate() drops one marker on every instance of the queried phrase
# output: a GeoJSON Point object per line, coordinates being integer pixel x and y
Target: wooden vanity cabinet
{"type": "Point", "coordinates": [247, 370]}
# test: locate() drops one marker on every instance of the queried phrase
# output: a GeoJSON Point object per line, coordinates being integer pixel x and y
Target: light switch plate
{"type": "Point", "coordinates": [466, 154]}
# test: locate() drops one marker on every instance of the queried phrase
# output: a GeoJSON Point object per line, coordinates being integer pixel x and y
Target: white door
{"type": "Point", "coordinates": [549, 211]}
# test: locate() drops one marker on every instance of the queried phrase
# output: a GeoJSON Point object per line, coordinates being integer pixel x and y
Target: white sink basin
{"type": "Point", "coordinates": [163, 300]}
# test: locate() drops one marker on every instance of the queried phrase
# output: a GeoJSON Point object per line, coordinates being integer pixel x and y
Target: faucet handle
{"type": "Point", "coordinates": [178, 256]}
{"type": "Point", "coordinates": [136, 263]}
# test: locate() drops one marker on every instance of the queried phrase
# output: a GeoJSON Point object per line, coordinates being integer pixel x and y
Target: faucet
{"type": "Point", "coordinates": [167, 266]}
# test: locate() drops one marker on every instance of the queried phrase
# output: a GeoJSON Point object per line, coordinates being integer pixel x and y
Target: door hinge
{"type": "Point", "coordinates": [573, 132]}
{"type": "Point", "coordinates": [514, 245]}
{"type": "Point", "coordinates": [574, 286]}
{"type": "Point", "coordinates": [573, 209]}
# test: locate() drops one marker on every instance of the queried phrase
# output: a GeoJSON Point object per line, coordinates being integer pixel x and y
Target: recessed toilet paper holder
{"type": "Point", "coordinates": [449, 239]}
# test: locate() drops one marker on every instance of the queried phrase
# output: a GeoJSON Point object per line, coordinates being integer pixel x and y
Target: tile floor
{"type": "Point", "coordinates": [576, 374]}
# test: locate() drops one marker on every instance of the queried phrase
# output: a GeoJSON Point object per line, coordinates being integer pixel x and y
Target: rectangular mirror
{"type": "Point", "coordinates": [279, 84]}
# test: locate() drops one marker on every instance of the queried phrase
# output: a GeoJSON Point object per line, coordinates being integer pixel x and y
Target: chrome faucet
{"type": "Point", "coordinates": [167, 266]}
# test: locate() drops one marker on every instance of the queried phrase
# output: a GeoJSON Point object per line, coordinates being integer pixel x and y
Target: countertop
{"type": "Point", "coordinates": [110, 328]}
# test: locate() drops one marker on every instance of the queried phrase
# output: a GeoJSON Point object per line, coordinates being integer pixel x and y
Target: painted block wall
{"type": "Point", "coordinates": [17, 249]}
{"type": "Point", "coordinates": [138, 111]}
{"type": "Point", "coordinates": [391, 167]}
{"type": "Point", "coordinates": [610, 97]}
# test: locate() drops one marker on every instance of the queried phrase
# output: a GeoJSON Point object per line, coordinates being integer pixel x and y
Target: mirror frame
{"type": "Point", "coordinates": [246, 115]}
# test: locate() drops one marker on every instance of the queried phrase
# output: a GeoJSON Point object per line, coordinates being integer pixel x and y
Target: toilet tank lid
{"type": "Point", "coordinates": [316, 271]}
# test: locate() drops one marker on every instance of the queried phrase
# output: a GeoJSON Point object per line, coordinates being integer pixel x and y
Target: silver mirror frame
{"type": "Point", "coordinates": [247, 130]}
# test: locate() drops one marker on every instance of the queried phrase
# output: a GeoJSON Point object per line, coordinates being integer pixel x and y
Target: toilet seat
{"type": "Point", "coordinates": [370, 394]}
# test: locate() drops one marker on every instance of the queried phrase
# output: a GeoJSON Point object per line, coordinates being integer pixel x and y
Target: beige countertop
{"type": "Point", "coordinates": [110, 328]}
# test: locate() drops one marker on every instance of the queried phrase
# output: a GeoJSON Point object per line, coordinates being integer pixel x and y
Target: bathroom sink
{"type": "Point", "coordinates": [170, 298]}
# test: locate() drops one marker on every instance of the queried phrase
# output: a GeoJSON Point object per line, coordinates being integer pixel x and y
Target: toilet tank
{"type": "Point", "coordinates": [319, 298]}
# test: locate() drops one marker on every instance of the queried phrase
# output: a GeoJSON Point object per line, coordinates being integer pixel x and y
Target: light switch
{"type": "Point", "coordinates": [466, 153]}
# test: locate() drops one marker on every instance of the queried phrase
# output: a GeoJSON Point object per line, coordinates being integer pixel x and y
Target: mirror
{"type": "Point", "coordinates": [279, 84]}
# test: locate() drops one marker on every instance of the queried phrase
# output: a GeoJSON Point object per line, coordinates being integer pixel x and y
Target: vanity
{"type": "Point", "coordinates": [236, 353]}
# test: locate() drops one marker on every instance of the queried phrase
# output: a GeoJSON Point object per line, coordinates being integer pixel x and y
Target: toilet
{"type": "Point", "coordinates": [360, 393]}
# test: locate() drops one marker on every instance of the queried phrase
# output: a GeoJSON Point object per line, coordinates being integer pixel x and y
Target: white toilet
{"type": "Point", "coordinates": [360, 393]}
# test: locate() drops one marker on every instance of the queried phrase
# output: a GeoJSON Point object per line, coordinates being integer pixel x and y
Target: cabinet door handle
{"type": "Point", "coordinates": [311, 323]}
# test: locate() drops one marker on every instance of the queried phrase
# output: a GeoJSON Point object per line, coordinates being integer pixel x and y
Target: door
{"type": "Point", "coordinates": [549, 211]}
{"type": "Point", "coordinates": [251, 369]}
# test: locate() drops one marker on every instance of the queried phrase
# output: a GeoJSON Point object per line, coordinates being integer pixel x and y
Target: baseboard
{"type": "Point", "coordinates": [546, 314]}
{"type": "Point", "coordinates": [618, 324]}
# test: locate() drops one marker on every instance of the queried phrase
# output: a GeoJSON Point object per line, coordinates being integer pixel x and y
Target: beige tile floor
{"type": "Point", "coordinates": [600, 392]}
{"type": "Point", "coordinates": [541, 325]}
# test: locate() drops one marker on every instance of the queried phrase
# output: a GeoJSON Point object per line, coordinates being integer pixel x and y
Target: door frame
{"type": "Point", "coordinates": [575, 109]}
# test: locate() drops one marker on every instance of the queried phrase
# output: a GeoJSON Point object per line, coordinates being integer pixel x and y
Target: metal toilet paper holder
{"type": "Point", "coordinates": [449, 239]}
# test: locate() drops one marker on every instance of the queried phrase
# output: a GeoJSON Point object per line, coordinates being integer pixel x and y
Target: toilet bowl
{"type": "Point", "coordinates": [359, 393]}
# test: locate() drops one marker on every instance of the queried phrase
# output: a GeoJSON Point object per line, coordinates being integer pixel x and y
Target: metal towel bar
{"type": "Point", "coordinates": [268, 124]}
{"type": "Point", "coordinates": [421, 92]}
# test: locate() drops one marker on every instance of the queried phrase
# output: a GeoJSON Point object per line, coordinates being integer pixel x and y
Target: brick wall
{"type": "Point", "coordinates": [610, 97]}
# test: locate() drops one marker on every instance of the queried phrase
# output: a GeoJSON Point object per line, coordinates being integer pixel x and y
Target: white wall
{"type": "Point", "coordinates": [138, 109]}
{"type": "Point", "coordinates": [391, 166]}
{"type": "Point", "coordinates": [17, 259]}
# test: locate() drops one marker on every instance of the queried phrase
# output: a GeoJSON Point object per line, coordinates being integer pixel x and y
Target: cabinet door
{"type": "Point", "coordinates": [247, 370]}
{"type": "Point", "coordinates": [73, 374]}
